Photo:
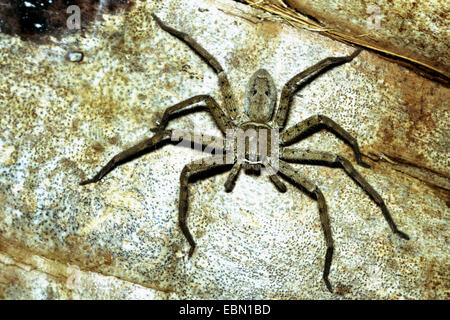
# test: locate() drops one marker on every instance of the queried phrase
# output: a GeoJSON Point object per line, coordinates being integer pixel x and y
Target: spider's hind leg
{"type": "Point", "coordinates": [304, 77]}
{"type": "Point", "coordinates": [225, 88]}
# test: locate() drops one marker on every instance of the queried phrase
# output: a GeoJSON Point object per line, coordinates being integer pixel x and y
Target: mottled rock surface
{"type": "Point", "coordinates": [417, 30]}
{"type": "Point", "coordinates": [61, 121]}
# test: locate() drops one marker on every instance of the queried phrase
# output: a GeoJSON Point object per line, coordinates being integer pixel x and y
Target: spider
{"type": "Point", "coordinates": [261, 114]}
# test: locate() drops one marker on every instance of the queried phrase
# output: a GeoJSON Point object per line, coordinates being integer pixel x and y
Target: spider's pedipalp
{"type": "Point", "coordinates": [231, 179]}
{"type": "Point", "coordinates": [278, 183]}
{"type": "Point", "coordinates": [273, 176]}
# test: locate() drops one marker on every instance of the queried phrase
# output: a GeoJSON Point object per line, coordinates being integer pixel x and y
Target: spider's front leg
{"type": "Point", "coordinates": [293, 133]}
{"type": "Point", "coordinates": [189, 170]}
{"type": "Point", "coordinates": [299, 179]}
{"type": "Point", "coordinates": [304, 77]}
{"type": "Point", "coordinates": [296, 155]}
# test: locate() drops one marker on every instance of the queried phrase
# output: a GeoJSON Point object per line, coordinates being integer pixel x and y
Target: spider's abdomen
{"type": "Point", "coordinates": [260, 97]}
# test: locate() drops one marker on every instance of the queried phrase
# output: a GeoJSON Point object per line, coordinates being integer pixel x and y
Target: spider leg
{"type": "Point", "coordinates": [191, 104]}
{"type": "Point", "coordinates": [293, 133]}
{"type": "Point", "coordinates": [289, 172]}
{"type": "Point", "coordinates": [304, 77]}
{"type": "Point", "coordinates": [195, 167]}
{"type": "Point", "coordinates": [332, 158]}
{"type": "Point", "coordinates": [158, 139]}
{"type": "Point", "coordinates": [224, 84]}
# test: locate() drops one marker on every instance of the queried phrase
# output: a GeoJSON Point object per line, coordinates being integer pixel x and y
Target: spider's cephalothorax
{"type": "Point", "coordinates": [263, 118]}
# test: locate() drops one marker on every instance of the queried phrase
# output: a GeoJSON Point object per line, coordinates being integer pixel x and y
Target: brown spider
{"type": "Point", "coordinates": [261, 98]}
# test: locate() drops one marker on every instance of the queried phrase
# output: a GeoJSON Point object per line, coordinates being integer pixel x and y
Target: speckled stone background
{"type": "Point", "coordinates": [415, 29]}
{"type": "Point", "coordinates": [119, 239]}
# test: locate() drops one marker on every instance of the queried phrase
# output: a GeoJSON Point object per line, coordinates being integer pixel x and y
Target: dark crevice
{"type": "Point", "coordinates": [35, 20]}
